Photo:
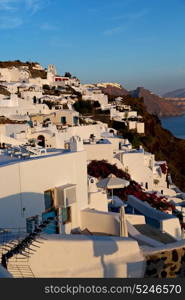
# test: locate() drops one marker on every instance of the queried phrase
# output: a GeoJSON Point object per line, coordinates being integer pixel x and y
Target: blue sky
{"type": "Point", "coordinates": [133, 42]}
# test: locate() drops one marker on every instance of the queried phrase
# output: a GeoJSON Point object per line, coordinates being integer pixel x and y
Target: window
{"type": "Point", "coordinates": [63, 120]}
{"type": "Point", "coordinates": [75, 120]}
{"type": "Point", "coordinates": [48, 200]}
{"type": "Point", "coordinates": [66, 215]}
{"type": "Point", "coordinates": [146, 185]}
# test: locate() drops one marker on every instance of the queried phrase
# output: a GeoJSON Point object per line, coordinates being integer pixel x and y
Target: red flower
{"type": "Point", "coordinates": [102, 169]}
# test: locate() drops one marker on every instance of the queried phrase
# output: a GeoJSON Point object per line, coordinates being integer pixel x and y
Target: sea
{"type": "Point", "coordinates": [176, 125]}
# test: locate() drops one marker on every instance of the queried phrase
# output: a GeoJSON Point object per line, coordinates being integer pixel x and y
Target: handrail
{"type": "Point", "coordinates": [20, 247]}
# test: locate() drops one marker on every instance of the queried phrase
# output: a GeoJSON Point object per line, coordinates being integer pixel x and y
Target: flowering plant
{"type": "Point", "coordinates": [164, 168]}
{"type": "Point", "coordinates": [183, 226]}
{"type": "Point", "coordinates": [156, 201]}
{"type": "Point", "coordinates": [102, 169]}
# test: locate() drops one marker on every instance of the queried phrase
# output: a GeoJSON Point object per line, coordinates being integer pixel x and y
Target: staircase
{"type": "Point", "coordinates": [15, 249]}
{"type": "Point", "coordinates": [18, 265]}
{"type": "Point", "coordinates": [20, 270]}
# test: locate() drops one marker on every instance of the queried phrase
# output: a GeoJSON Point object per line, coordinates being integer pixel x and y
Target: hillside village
{"type": "Point", "coordinates": [73, 182]}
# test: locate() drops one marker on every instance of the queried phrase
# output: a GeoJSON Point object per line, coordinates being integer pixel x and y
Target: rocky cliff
{"type": "Point", "coordinates": [156, 105]}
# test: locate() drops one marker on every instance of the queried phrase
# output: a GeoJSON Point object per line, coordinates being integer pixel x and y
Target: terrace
{"type": "Point", "coordinates": [93, 141]}
{"type": "Point", "coordinates": [13, 155]}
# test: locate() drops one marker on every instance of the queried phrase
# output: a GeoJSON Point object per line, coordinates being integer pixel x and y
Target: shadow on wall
{"type": "Point", "coordinates": [101, 250]}
{"type": "Point", "coordinates": [16, 208]}
{"type": "Point", "coordinates": [121, 264]}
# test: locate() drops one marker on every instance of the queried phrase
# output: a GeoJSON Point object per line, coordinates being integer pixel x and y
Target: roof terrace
{"type": "Point", "coordinates": [13, 155]}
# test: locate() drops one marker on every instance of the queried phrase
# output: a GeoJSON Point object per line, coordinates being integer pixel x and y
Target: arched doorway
{"type": "Point", "coordinates": [41, 141]}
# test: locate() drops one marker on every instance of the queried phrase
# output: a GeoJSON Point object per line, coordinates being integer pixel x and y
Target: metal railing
{"type": "Point", "coordinates": [19, 244]}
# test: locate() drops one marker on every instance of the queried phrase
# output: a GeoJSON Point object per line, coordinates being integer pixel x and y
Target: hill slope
{"type": "Point", "coordinates": [30, 66]}
{"type": "Point", "coordinates": [159, 141]}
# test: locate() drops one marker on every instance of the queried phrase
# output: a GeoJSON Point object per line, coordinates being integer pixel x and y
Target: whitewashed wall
{"type": "Point", "coordinates": [99, 151]}
{"type": "Point", "coordinates": [22, 185]}
{"type": "Point", "coordinates": [87, 257]}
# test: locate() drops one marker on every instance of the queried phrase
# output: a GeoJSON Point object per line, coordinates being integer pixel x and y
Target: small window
{"type": "Point", "coordinates": [66, 215]}
{"type": "Point", "coordinates": [75, 120]}
{"type": "Point", "coordinates": [146, 185]}
{"type": "Point", "coordinates": [63, 120]}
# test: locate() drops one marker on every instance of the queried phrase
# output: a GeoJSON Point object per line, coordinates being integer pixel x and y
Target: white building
{"type": "Point", "coordinates": [99, 149]}
{"type": "Point", "coordinates": [13, 105]}
{"type": "Point", "coordinates": [122, 113]}
{"type": "Point", "coordinates": [80, 256]}
{"type": "Point", "coordinates": [140, 165]}
{"type": "Point", "coordinates": [138, 126]}
{"type": "Point", "coordinates": [51, 73]}
{"type": "Point", "coordinates": [43, 185]}
{"type": "Point", "coordinates": [92, 93]}
{"type": "Point", "coordinates": [85, 131]}
{"type": "Point", "coordinates": [129, 117]}
{"type": "Point", "coordinates": [61, 117]}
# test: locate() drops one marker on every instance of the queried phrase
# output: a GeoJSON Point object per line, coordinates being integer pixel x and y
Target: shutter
{"type": "Point", "coordinates": [70, 195]}
{"type": "Point", "coordinates": [59, 197]}
{"type": "Point", "coordinates": [65, 195]}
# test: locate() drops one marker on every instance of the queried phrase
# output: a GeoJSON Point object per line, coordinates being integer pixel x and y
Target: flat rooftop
{"type": "Point", "coordinates": [6, 159]}
{"type": "Point", "coordinates": [96, 142]}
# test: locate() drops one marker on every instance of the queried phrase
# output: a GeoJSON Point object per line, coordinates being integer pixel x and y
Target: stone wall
{"type": "Point", "coordinates": [166, 264]}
